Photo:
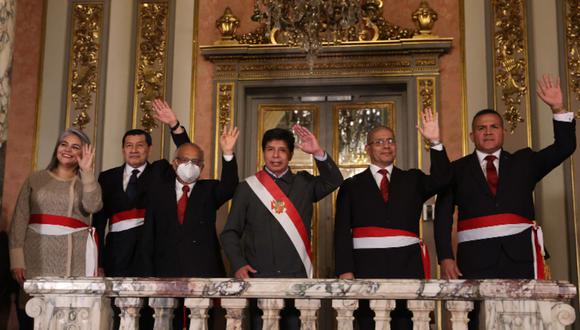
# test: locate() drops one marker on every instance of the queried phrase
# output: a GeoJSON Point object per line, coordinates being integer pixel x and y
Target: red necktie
{"type": "Point", "coordinates": [182, 204]}
{"type": "Point", "coordinates": [491, 173]}
{"type": "Point", "coordinates": [384, 184]}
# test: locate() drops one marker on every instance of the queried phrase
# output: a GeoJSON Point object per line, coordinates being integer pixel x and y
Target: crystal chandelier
{"type": "Point", "coordinates": [308, 23]}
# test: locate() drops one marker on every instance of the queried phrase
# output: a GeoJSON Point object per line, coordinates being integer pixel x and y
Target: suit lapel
{"type": "Point", "coordinates": [477, 174]}
{"type": "Point", "coordinates": [369, 182]}
{"type": "Point", "coordinates": [504, 170]}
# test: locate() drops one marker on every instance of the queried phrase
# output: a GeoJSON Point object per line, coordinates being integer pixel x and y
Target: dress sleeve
{"type": "Point", "coordinates": [18, 226]}
{"type": "Point", "coordinates": [92, 199]}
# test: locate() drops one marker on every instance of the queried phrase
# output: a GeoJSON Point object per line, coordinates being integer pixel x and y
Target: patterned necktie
{"type": "Point", "coordinates": [491, 174]}
{"type": "Point", "coordinates": [132, 185]}
{"type": "Point", "coordinates": [182, 204]}
{"type": "Point", "coordinates": [384, 184]}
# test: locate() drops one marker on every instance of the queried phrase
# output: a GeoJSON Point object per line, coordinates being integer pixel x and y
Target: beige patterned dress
{"type": "Point", "coordinates": [50, 255]}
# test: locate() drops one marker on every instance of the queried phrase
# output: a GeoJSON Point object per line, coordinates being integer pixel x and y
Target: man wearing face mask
{"type": "Point", "coordinates": [179, 235]}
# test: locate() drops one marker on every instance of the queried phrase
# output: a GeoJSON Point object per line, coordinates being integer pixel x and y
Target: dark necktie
{"type": "Point", "coordinates": [384, 185]}
{"type": "Point", "coordinates": [491, 173]}
{"type": "Point", "coordinates": [132, 185]}
{"type": "Point", "coordinates": [182, 204]}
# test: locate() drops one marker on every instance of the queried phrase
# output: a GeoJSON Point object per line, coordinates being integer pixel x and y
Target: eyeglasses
{"type": "Point", "coordinates": [382, 142]}
{"type": "Point", "coordinates": [194, 161]}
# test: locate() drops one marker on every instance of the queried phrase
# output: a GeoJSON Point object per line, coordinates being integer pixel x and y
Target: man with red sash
{"type": "Point", "coordinates": [493, 191]}
{"type": "Point", "coordinates": [378, 213]}
{"type": "Point", "coordinates": [268, 230]}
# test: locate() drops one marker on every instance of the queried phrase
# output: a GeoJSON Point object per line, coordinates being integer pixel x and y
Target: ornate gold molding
{"type": "Point", "coordinates": [510, 58]}
{"type": "Point", "coordinates": [84, 64]}
{"type": "Point", "coordinates": [573, 53]}
{"type": "Point", "coordinates": [7, 20]}
{"type": "Point", "coordinates": [225, 92]}
{"type": "Point", "coordinates": [151, 60]}
{"type": "Point", "coordinates": [426, 93]}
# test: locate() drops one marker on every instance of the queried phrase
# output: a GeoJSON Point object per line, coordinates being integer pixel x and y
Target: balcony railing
{"type": "Point", "coordinates": [84, 303]}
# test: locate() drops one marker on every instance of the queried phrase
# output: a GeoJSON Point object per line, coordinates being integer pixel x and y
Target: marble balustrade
{"type": "Point", "coordinates": [84, 303]}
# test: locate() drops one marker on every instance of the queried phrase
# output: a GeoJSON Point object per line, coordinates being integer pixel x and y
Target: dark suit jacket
{"type": "Point", "coordinates": [191, 249]}
{"type": "Point", "coordinates": [518, 175]}
{"type": "Point", "coordinates": [117, 251]}
{"type": "Point", "coordinates": [360, 204]}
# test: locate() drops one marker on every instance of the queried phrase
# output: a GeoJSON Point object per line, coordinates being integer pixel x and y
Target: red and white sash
{"type": "Point", "coordinates": [56, 225]}
{"type": "Point", "coordinates": [126, 220]}
{"type": "Point", "coordinates": [384, 238]}
{"type": "Point", "coordinates": [285, 212]}
{"type": "Point", "coordinates": [501, 225]}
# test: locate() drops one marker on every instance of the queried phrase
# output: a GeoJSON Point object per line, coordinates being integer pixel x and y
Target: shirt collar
{"type": "Point", "coordinates": [179, 185]}
{"type": "Point", "coordinates": [374, 168]}
{"type": "Point", "coordinates": [129, 169]}
{"type": "Point", "coordinates": [481, 155]}
{"type": "Point", "coordinates": [274, 175]}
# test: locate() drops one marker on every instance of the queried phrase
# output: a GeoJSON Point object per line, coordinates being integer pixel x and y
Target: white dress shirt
{"type": "Point", "coordinates": [129, 171]}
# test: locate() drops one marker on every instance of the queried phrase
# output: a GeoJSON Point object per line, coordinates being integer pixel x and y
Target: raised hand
{"type": "Point", "coordinates": [429, 127]}
{"type": "Point", "coordinates": [85, 160]}
{"type": "Point", "coordinates": [163, 112]}
{"type": "Point", "coordinates": [309, 143]}
{"type": "Point", "coordinates": [228, 139]}
{"type": "Point", "coordinates": [549, 91]}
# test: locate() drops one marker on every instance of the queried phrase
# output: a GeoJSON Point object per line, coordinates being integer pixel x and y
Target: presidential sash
{"type": "Point", "coordinates": [285, 212]}
{"type": "Point", "coordinates": [126, 220]}
{"type": "Point", "coordinates": [57, 225]}
{"type": "Point", "coordinates": [501, 225]}
{"type": "Point", "coordinates": [385, 238]}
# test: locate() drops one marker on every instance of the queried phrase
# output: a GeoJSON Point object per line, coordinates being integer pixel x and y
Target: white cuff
{"type": "Point", "coordinates": [438, 146]}
{"type": "Point", "coordinates": [228, 158]}
{"type": "Point", "coordinates": [566, 116]}
{"type": "Point", "coordinates": [321, 159]}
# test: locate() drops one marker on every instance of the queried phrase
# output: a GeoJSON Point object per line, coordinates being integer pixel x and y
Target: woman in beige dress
{"type": "Point", "coordinates": [50, 232]}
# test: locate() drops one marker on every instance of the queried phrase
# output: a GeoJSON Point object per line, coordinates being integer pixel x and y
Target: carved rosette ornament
{"type": "Point", "coordinates": [510, 57]}
{"type": "Point", "coordinates": [151, 59]}
{"type": "Point", "coordinates": [7, 18]}
{"type": "Point", "coordinates": [573, 52]}
{"type": "Point", "coordinates": [83, 80]}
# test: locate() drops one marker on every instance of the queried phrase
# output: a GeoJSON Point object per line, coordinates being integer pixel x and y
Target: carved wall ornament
{"type": "Point", "coordinates": [7, 19]}
{"type": "Point", "coordinates": [573, 52]}
{"type": "Point", "coordinates": [151, 59]}
{"type": "Point", "coordinates": [424, 17]}
{"type": "Point", "coordinates": [510, 57]}
{"type": "Point", "coordinates": [227, 25]}
{"type": "Point", "coordinates": [86, 32]}
{"type": "Point", "coordinates": [225, 104]}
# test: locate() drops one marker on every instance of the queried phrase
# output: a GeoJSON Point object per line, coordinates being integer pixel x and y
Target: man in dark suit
{"type": "Point", "coordinates": [268, 230]}
{"type": "Point", "coordinates": [378, 213]}
{"type": "Point", "coordinates": [124, 196]}
{"type": "Point", "coordinates": [493, 190]}
{"type": "Point", "coordinates": [179, 236]}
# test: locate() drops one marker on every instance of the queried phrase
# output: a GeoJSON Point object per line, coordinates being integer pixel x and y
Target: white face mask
{"type": "Point", "coordinates": [188, 172]}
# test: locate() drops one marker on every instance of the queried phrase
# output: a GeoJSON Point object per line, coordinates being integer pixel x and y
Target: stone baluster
{"type": "Point", "coordinates": [421, 310]}
{"type": "Point", "coordinates": [308, 309]}
{"type": "Point", "coordinates": [130, 308]}
{"type": "Point", "coordinates": [271, 309]}
{"type": "Point", "coordinates": [198, 312]}
{"type": "Point", "coordinates": [163, 308]}
{"type": "Point", "coordinates": [235, 312]}
{"type": "Point", "coordinates": [344, 310]}
{"type": "Point", "coordinates": [382, 309]}
{"type": "Point", "coordinates": [527, 314]}
{"type": "Point", "coordinates": [459, 310]}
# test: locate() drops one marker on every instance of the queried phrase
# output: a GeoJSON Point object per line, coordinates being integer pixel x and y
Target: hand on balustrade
{"type": "Point", "coordinates": [244, 271]}
{"type": "Point", "coordinates": [449, 269]}
{"type": "Point", "coordinates": [346, 276]}
{"type": "Point", "coordinates": [18, 275]}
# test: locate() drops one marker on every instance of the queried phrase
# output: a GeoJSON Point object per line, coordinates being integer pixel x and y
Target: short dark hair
{"type": "Point", "coordinates": [278, 134]}
{"type": "Point", "coordinates": [485, 112]}
{"type": "Point", "coordinates": [138, 131]}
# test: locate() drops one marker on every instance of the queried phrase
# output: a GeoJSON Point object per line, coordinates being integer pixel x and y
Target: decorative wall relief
{"type": "Point", "coordinates": [510, 59]}
{"type": "Point", "coordinates": [7, 18]}
{"type": "Point", "coordinates": [84, 65]}
{"type": "Point", "coordinates": [150, 67]}
{"type": "Point", "coordinates": [572, 12]}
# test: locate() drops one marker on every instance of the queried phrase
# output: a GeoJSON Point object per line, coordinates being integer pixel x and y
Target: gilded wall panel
{"type": "Point", "coordinates": [151, 68]}
{"type": "Point", "coordinates": [510, 61]}
{"type": "Point", "coordinates": [224, 114]}
{"type": "Point", "coordinates": [573, 53]}
{"type": "Point", "coordinates": [85, 60]}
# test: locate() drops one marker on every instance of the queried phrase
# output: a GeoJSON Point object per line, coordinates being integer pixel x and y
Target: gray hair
{"type": "Point", "coordinates": [69, 131]}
